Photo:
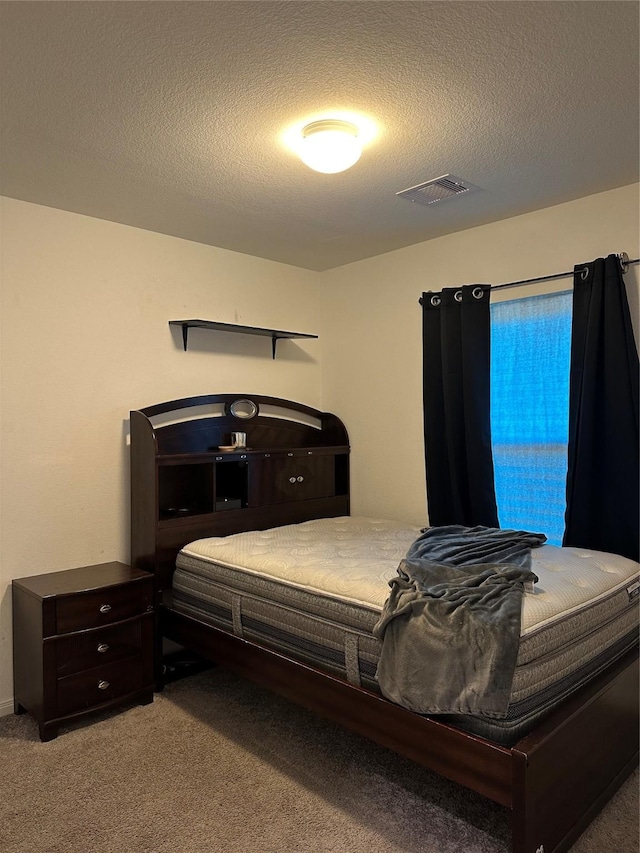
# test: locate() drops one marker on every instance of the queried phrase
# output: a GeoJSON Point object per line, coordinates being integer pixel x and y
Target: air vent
{"type": "Point", "coordinates": [439, 189]}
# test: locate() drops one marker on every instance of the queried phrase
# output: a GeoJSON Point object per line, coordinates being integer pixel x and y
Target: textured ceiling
{"type": "Point", "coordinates": [170, 116]}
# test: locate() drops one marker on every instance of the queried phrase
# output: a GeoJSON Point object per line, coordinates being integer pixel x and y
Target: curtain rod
{"type": "Point", "coordinates": [622, 257]}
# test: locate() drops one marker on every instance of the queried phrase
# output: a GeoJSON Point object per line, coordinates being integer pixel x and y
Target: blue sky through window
{"type": "Point", "coordinates": [530, 358]}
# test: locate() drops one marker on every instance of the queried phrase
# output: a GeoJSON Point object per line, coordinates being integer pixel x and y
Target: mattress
{"type": "Point", "coordinates": [315, 590]}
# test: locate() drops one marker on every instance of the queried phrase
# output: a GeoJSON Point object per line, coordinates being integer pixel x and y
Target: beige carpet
{"type": "Point", "coordinates": [216, 764]}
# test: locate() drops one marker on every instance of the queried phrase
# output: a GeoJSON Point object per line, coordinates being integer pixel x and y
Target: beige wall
{"type": "Point", "coordinates": [84, 339]}
{"type": "Point", "coordinates": [372, 362]}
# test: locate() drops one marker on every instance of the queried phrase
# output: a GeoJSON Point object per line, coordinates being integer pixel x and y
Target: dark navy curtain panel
{"type": "Point", "coordinates": [603, 466]}
{"type": "Point", "coordinates": [457, 423]}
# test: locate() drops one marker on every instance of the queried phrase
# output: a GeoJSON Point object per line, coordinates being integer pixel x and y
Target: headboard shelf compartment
{"type": "Point", "coordinates": [295, 467]}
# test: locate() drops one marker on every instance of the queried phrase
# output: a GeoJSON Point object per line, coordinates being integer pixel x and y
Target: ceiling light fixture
{"type": "Point", "coordinates": [330, 145]}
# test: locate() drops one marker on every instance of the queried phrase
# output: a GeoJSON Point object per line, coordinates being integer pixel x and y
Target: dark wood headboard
{"type": "Point", "coordinates": [294, 468]}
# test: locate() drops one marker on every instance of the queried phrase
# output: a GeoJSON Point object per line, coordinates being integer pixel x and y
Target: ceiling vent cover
{"type": "Point", "coordinates": [438, 189]}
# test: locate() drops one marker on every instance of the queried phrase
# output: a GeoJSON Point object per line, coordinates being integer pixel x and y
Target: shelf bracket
{"type": "Point", "coordinates": [274, 339]}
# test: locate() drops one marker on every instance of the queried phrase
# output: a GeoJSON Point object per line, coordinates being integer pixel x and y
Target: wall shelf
{"type": "Point", "coordinates": [274, 334]}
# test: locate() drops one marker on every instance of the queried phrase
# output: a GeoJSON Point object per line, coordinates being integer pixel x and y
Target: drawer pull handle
{"type": "Point", "coordinates": [105, 608]}
{"type": "Point", "coordinates": [102, 685]}
{"type": "Point", "coordinates": [292, 479]}
{"type": "Point", "coordinates": [103, 647]}
{"type": "Point", "coordinates": [300, 479]}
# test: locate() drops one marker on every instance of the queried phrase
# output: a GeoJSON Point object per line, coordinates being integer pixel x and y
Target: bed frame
{"type": "Point", "coordinates": [554, 780]}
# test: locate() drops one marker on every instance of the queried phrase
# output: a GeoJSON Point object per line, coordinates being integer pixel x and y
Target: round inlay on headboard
{"type": "Point", "coordinates": [243, 409]}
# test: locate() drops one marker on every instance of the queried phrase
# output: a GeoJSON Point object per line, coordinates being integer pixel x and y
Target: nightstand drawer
{"type": "Point", "coordinates": [102, 684]}
{"type": "Point", "coordinates": [100, 646]}
{"type": "Point", "coordinates": [102, 607]}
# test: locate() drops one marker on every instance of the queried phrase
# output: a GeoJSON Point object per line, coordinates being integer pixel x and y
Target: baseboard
{"type": "Point", "coordinates": [6, 707]}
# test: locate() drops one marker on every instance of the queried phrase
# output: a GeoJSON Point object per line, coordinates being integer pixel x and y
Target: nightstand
{"type": "Point", "coordinates": [83, 641]}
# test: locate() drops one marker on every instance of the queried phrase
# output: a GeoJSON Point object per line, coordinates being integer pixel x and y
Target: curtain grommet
{"type": "Point", "coordinates": [477, 293]}
{"type": "Point", "coordinates": [584, 273]}
{"type": "Point", "coordinates": [435, 301]}
{"type": "Point", "coordinates": [458, 296]}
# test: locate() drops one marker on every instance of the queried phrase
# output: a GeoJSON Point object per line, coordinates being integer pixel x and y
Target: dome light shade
{"type": "Point", "coordinates": [330, 145]}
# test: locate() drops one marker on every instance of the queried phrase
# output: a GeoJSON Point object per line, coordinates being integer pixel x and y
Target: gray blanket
{"type": "Point", "coordinates": [450, 628]}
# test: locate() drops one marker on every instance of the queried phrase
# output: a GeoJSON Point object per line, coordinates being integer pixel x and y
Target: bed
{"type": "Point", "coordinates": [242, 524]}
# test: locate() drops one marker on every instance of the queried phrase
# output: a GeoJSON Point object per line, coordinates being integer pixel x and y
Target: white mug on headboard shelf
{"type": "Point", "coordinates": [239, 439]}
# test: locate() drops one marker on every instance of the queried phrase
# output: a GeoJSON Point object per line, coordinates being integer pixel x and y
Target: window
{"type": "Point", "coordinates": [530, 359]}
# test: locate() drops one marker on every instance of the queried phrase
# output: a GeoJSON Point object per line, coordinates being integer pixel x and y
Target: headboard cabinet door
{"type": "Point", "coordinates": [295, 478]}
